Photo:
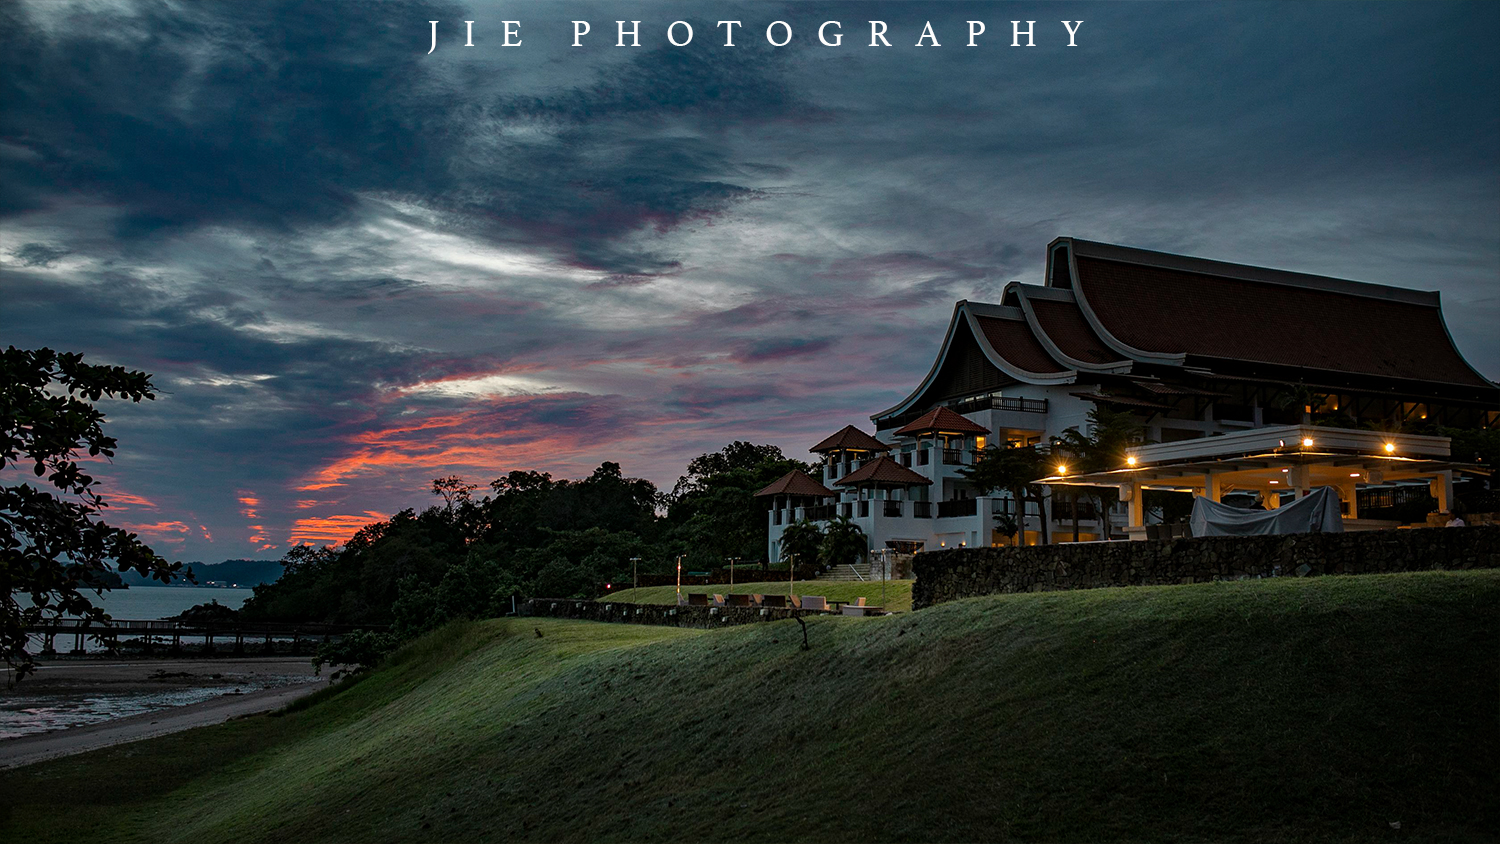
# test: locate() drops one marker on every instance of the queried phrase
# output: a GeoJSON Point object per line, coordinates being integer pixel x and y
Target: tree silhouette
{"type": "Point", "coordinates": [53, 547]}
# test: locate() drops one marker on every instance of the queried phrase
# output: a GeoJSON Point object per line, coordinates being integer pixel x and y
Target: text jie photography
{"type": "Point", "coordinates": [680, 33]}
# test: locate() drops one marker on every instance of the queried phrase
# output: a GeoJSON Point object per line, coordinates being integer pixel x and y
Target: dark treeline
{"type": "Point", "coordinates": [529, 534]}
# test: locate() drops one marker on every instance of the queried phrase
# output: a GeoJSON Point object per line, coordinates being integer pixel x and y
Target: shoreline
{"type": "Point", "coordinates": [79, 695]}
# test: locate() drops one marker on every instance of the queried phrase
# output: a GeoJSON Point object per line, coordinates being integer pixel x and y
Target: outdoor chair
{"type": "Point", "coordinates": [739, 601]}
{"type": "Point", "coordinates": [718, 600]}
{"type": "Point", "coordinates": [862, 609]}
{"type": "Point", "coordinates": [858, 602]}
{"type": "Point", "coordinates": [814, 602]}
{"type": "Point", "coordinates": [698, 599]}
{"type": "Point", "coordinates": [773, 600]}
{"type": "Point", "coordinates": [795, 601]}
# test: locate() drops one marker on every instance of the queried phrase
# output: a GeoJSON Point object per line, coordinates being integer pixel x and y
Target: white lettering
{"type": "Point", "coordinates": [838, 37]}
{"type": "Point", "coordinates": [1015, 33]}
{"type": "Point", "coordinates": [469, 25]}
{"type": "Point", "coordinates": [579, 33]}
{"type": "Point", "coordinates": [512, 33]}
{"type": "Point", "coordinates": [772, 40]}
{"type": "Point", "coordinates": [635, 33]}
{"type": "Point", "coordinates": [729, 31]}
{"type": "Point", "coordinates": [975, 33]}
{"type": "Point", "coordinates": [926, 34]}
{"type": "Point", "coordinates": [1072, 31]}
{"type": "Point", "coordinates": [877, 30]}
{"type": "Point", "coordinates": [673, 28]}
{"type": "Point", "coordinates": [434, 37]}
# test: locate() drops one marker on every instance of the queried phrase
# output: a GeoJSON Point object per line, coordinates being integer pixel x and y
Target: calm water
{"type": "Point", "coordinates": [165, 601]}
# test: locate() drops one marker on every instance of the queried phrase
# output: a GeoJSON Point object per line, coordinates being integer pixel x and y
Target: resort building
{"type": "Point", "coordinates": [1249, 384]}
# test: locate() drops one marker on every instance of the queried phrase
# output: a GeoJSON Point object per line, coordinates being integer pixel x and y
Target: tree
{"type": "Point", "coordinates": [843, 543]}
{"type": "Point", "coordinates": [800, 542]}
{"type": "Point", "coordinates": [1111, 433]}
{"type": "Point", "coordinates": [53, 546]}
{"type": "Point", "coordinates": [1014, 469]}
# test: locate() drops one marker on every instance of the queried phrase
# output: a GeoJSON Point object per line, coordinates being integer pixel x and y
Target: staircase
{"type": "Point", "coordinates": [846, 573]}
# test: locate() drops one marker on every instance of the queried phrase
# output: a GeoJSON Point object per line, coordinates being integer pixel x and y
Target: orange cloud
{"type": "Point", "coordinates": [127, 500]}
{"type": "Point", "coordinates": [206, 534]}
{"type": "Point", "coordinates": [331, 530]}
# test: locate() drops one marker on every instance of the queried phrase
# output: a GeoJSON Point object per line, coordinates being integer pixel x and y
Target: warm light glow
{"type": "Point", "coordinates": [1353, 474]}
{"type": "Point", "coordinates": [1390, 448]}
{"type": "Point", "coordinates": [979, 442]}
{"type": "Point", "coordinates": [1306, 442]}
{"type": "Point", "coordinates": [1061, 469]}
{"type": "Point", "coordinates": [1130, 461]}
{"type": "Point", "coordinates": [1274, 482]}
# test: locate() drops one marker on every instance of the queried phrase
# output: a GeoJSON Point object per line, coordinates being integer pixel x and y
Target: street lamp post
{"type": "Point", "coordinates": [635, 572]}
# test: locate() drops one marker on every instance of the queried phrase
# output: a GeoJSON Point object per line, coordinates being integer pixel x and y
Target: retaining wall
{"type": "Point", "coordinates": [656, 614]}
{"type": "Point", "coordinates": [954, 573]}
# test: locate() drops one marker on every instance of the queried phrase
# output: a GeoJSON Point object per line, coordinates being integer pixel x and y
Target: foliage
{"type": "Point", "coordinates": [211, 611]}
{"type": "Point", "coordinates": [713, 514]}
{"type": "Point", "coordinates": [359, 649]}
{"type": "Point", "coordinates": [1111, 434]}
{"type": "Point", "coordinates": [1011, 468]}
{"type": "Point", "coordinates": [800, 542]}
{"type": "Point", "coordinates": [843, 543]}
{"type": "Point", "coordinates": [53, 545]}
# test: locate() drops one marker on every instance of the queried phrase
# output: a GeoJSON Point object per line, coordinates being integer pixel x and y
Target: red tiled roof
{"type": "Point", "coordinates": [1124, 401]}
{"type": "Point", "coordinates": [1013, 339]}
{"type": "Point", "coordinates": [941, 420]}
{"type": "Point", "coordinates": [883, 471]}
{"type": "Point", "coordinates": [850, 438]}
{"type": "Point", "coordinates": [1198, 308]}
{"type": "Point", "coordinates": [1065, 326]}
{"type": "Point", "coordinates": [796, 483]}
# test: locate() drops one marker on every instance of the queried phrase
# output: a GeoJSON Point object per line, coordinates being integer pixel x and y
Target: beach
{"type": "Point", "coordinates": [75, 705]}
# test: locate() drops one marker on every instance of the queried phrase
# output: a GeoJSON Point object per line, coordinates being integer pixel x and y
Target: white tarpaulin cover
{"type": "Point", "coordinates": [1316, 512]}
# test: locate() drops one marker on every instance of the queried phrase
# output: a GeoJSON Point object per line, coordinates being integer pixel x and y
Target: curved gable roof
{"type": "Point", "coordinates": [883, 471]}
{"type": "Point", "coordinates": [1061, 327]}
{"type": "Point", "coordinates": [796, 483]}
{"type": "Point", "coordinates": [1005, 342]}
{"type": "Point", "coordinates": [1163, 308]}
{"type": "Point", "coordinates": [849, 438]}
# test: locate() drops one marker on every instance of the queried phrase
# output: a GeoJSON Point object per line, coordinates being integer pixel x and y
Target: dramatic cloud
{"type": "Point", "coordinates": [352, 266]}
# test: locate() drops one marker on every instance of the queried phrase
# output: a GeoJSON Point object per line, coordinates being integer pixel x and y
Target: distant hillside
{"type": "Point", "coordinates": [1329, 709]}
{"type": "Point", "coordinates": [244, 573]}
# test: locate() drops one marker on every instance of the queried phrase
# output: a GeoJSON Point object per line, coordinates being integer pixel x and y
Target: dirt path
{"type": "Point", "coordinates": [27, 750]}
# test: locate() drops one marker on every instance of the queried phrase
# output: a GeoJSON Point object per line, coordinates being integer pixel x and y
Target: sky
{"type": "Point", "coordinates": [352, 266]}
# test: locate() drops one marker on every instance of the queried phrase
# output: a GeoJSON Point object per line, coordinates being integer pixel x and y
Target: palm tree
{"type": "Point", "coordinates": [800, 542]}
{"type": "Point", "coordinates": [843, 543]}
{"type": "Point", "coordinates": [1111, 433]}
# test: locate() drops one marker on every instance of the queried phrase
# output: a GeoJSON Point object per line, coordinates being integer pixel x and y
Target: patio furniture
{"type": "Point", "coordinates": [835, 605]}
{"type": "Point", "coordinates": [697, 599]}
{"type": "Point", "coordinates": [718, 600]}
{"type": "Point", "coordinates": [739, 601]}
{"type": "Point", "coordinates": [814, 602]}
{"type": "Point", "coordinates": [795, 601]}
{"type": "Point", "coordinates": [863, 609]}
{"type": "Point", "coordinates": [772, 600]}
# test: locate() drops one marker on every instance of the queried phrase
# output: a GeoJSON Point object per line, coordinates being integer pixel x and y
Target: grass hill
{"type": "Point", "coordinates": [1283, 710]}
{"type": "Point", "coordinates": [897, 595]}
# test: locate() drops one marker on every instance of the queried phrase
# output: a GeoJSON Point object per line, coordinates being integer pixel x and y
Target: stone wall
{"type": "Point", "coordinates": [955, 573]}
{"type": "Point", "coordinates": [656, 614]}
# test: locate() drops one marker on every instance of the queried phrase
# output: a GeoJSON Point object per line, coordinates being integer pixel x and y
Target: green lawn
{"type": "Point", "coordinates": [1283, 710]}
{"type": "Point", "coordinates": [897, 596]}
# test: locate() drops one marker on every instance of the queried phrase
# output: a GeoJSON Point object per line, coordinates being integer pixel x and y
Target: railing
{"type": "Point", "coordinates": [864, 509]}
{"type": "Point", "coordinates": [921, 509]}
{"type": "Point", "coordinates": [819, 513]}
{"type": "Point", "coordinates": [1062, 510]}
{"type": "Point", "coordinates": [776, 516]}
{"type": "Point", "coordinates": [892, 509]}
{"type": "Point", "coordinates": [1009, 403]}
{"type": "Point", "coordinates": [958, 507]}
{"type": "Point", "coordinates": [953, 457]}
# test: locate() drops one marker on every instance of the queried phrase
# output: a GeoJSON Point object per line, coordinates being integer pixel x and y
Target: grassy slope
{"type": "Point", "coordinates": [1279, 710]}
{"type": "Point", "coordinates": [897, 592]}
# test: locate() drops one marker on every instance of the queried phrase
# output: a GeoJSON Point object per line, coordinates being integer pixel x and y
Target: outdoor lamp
{"type": "Point", "coordinates": [1061, 469]}
{"type": "Point", "coordinates": [1390, 448]}
{"type": "Point", "coordinates": [1307, 442]}
{"type": "Point", "coordinates": [1130, 460]}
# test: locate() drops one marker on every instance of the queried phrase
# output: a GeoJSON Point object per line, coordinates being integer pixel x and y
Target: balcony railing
{"type": "Point", "coordinates": [958, 507]}
{"type": "Point", "coordinates": [820, 513]}
{"type": "Point", "coordinates": [893, 509]}
{"type": "Point", "coordinates": [921, 509]}
{"type": "Point", "coordinates": [1009, 403]}
{"type": "Point", "coordinates": [953, 457]}
{"type": "Point", "coordinates": [864, 509]}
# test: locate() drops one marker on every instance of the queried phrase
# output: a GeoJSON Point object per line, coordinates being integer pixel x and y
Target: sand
{"type": "Point", "coordinates": [264, 685]}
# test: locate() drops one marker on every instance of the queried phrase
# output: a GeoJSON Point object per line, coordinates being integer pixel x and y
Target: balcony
{"type": "Point", "coordinates": [1014, 405]}
{"type": "Point", "coordinates": [921, 509]}
{"type": "Point", "coordinates": [957, 508]}
{"type": "Point", "coordinates": [820, 513]}
{"type": "Point", "coordinates": [892, 509]}
{"type": "Point", "coordinates": [953, 457]}
{"type": "Point", "coordinates": [864, 509]}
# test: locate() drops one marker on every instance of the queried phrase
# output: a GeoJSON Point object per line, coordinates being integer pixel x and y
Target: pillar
{"type": "Point", "coordinates": [1441, 486]}
{"type": "Point", "coordinates": [1298, 478]}
{"type": "Point", "coordinates": [1135, 506]}
{"type": "Point", "coordinates": [1213, 486]}
{"type": "Point", "coordinates": [1351, 494]}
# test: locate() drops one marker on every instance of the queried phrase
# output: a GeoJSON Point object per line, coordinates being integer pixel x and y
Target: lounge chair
{"type": "Point", "coordinates": [814, 602]}
{"type": "Point", "coordinates": [795, 601]}
{"type": "Point", "coordinates": [698, 599]}
{"type": "Point", "coordinates": [773, 601]}
{"type": "Point", "coordinates": [857, 602]}
{"type": "Point", "coordinates": [739, 601]}
{"type": "Point", "coordinates": [862, 609]}
{"type": "Point", "coordinates": [719, 600]}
